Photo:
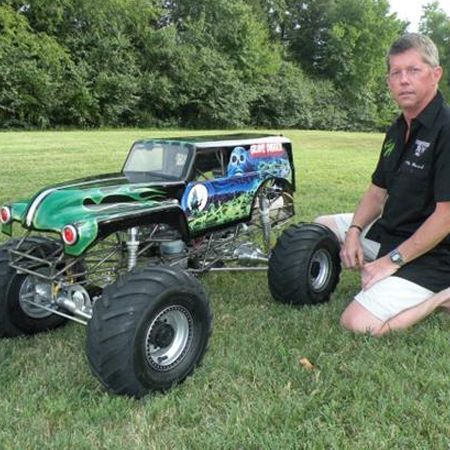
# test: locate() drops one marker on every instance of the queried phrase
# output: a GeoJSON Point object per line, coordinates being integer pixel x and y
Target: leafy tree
{"type": "Point", "coordinates": [286, 101]}
{"type": "Point", "coordinates": [102, 40]}
{"type": "Point", "coordinates": [33, 69]}
{"type": "Point", "coordinates": [220, 99]}
{"type": "Point", "coordinates": [307, 32]}
{"type": "Point", "coordinates": [276, 15]}
{"type": "Point", "coordinates": [292, 99]}
{"type": "Point", "coordinates": [302, 63]}
{"type": "Point", "coordinates": [344, 41]}
{"type": "Point", "coordinates": [231, 28]}
{"type": "Point", "coordinates": [355, 55]}
{"type": "Point", "coordinates": [357, 42]}
{"type": "Point", "coordinates": [435, 23]}
{"type": "Point", "coordinates": [211, 60]}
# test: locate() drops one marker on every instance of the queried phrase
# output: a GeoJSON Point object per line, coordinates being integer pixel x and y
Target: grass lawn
{"type": "Point", "coordinates": [251, 391]}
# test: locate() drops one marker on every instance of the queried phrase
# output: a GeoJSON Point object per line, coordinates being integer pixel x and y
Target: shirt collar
{"type": "Point", "coordinates": [428, 116]}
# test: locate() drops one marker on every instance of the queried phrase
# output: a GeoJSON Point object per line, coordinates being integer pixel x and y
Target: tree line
{"type": "Point", "coordinates": [310, 64]}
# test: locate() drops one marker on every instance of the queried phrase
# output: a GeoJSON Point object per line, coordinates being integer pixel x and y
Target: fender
{"type": "Point", "coordinates": [98, 226]}
{"type": "Point", "coordinates": [170, 215]}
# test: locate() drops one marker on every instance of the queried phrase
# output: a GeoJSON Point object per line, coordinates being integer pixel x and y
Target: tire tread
{"type": "Point", "coordinates": [289, 262]}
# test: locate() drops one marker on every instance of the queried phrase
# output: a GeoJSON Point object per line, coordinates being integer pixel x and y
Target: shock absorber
{"type": "Point", "coordinates": [264, 209]}
{"type": "Point", "coordinates": [132, 246]}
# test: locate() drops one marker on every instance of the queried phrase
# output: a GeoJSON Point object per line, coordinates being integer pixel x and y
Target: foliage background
{"type": "Point", "coordinates": [309, 64]}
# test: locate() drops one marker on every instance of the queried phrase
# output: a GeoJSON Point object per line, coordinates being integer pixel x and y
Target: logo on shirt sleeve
{"type": "Point", "coordinates": [388, 148]}
{"type": "Point", "coordinates": [421, 147]}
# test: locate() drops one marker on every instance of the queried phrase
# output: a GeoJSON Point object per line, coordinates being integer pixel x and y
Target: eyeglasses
{"type": "Point", "coordinates": [411, 72]}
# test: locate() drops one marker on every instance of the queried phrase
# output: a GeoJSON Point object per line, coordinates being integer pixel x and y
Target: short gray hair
{"type": "Point", "coordinates": [423, 44]}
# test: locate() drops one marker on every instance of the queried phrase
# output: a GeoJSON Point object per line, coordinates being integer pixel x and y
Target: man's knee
{"type": "Point", "coordinates": [329, 221]}
{"type": "Point", "coordinates": [349, 321]}
{"type": "Point", "coordinates": [357, 319]}
{"type": "Point", "coordinates": [324, 220]}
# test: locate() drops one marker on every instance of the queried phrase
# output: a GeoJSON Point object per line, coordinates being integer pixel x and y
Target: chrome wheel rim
{"type": "Point", "coordinates": [168, 337]}
{"type": "Point", "coordinates": [320, 270]}
{"type": "Point", "coordinates": [37, 291]}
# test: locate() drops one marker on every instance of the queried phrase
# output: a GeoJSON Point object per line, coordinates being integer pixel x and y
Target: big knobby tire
{"type": "Point", "coordinates": [17, 317]}
{"type": "Point", "coordinates": [149, 330]}
{"type": "Point", "coordinates": [304, 265]}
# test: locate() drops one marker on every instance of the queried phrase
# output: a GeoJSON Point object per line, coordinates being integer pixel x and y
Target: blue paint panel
{"type": "Point", "coordinates": [216, 202]}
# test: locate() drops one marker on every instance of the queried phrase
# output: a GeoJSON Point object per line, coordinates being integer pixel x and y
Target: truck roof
{"type": "Point", "coordinates": [224, 140]}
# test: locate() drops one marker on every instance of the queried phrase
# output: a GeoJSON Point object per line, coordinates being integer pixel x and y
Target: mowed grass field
{"type": "Point", "coordinates": [251, 391]}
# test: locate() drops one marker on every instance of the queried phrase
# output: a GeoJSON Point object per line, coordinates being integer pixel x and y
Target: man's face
{"type": "Point", "coordinates": [412, 82]}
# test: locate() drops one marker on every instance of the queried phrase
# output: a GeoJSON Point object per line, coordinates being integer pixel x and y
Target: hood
{"type": "Point", "coordinates": [88, 202]}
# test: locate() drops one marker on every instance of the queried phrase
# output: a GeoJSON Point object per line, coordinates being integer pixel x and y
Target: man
{"type": "Point", "coordinates": [402, 223]}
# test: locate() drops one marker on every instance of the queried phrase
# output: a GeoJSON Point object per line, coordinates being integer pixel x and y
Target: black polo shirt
{"type": "Point", "coordinates": [416, 175]}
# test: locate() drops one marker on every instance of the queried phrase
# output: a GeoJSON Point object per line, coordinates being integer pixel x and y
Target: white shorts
{"type": "Point", "coordinates": [390, 296]}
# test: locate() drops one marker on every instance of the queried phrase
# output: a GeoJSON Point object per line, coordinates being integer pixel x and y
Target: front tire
{"type": "Point", "coordinates": [304, 265]}
{"type": "Point", "coordinates": [17, 316]}
{"type": "Point", "coordinates": [148, 331]}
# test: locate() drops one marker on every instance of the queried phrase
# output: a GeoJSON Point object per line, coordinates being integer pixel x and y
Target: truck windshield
{"type": "Point", "coordinates": [168, 160]}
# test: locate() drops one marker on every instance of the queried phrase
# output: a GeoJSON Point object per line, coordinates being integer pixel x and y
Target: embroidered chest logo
{"type": "Point", "coordinates": [421, 147]}
{"type": "Point", "coordinates": [388, 148]}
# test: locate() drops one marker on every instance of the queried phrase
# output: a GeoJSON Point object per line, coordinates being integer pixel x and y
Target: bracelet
{"type": "Point", "coordinates": [356, 226]}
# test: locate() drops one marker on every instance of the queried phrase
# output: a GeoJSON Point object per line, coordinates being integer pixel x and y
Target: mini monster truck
{"type": "Point", "coordinates": [120, 252]}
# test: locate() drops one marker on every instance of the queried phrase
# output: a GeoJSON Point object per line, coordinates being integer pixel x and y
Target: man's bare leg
{"type": "Point", "coordinates": [413, 315]}
{"type": "Point", "coordinates": [357, 319]}
{"type": "Point", "coordinates": [329, 222]}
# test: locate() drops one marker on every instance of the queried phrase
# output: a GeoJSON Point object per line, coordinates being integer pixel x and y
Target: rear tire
{"type": "Point", "coordinates": [18, 317]}
{"type": "Point", "coordinates": [148, 331]}
{"type": "Point", "coordinates": [304, 265]}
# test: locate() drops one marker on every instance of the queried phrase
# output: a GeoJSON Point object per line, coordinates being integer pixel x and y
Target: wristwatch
{"type": "Point", "coordinates": [397, 258]}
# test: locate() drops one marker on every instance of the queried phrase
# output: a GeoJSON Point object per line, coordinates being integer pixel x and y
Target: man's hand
{"type": "Point", "coordinates": [377, 270]}
{"type": "Point", "coordinates": [352, 255]}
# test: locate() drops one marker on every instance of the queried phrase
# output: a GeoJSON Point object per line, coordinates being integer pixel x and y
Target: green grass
{"type": "Point", "coordinates": [251, 391]}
